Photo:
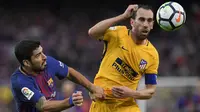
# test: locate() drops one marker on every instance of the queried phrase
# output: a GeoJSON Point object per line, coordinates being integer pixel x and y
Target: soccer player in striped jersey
{"type": "Point", "coordinates": [33, 83]}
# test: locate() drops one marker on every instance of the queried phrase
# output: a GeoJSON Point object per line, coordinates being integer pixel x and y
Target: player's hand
{"type": "Point", "coordinates": [130, 10]}
{"type": "Point", "coordinates": [92, 97]}
{"type": "Point", "coordinates": [77, 98]}
{"type": "Point", "coordinates": [122, 92]}
{"type": "Point", "coordinates": [96, 93]}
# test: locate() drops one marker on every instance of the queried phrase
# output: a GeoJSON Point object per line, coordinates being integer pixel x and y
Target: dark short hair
{"type": "Point", "coordinates": [24, 49]}
{"type": "Point", "coordinates": [147, 7]}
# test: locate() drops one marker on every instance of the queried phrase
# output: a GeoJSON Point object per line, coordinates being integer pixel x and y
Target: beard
{"type": "Point", "coordinates": [142, 36]}
{"type": "Point", "coordinates": [38, 68]}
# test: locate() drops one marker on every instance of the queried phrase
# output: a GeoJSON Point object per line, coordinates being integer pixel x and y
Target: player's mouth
{"type": "Point", "coordinates": [145, 32]}
{"type": "Point", "coordinates": [44, 63]}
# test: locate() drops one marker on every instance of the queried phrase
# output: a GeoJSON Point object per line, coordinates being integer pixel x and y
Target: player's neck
{"type": "Point", "coordinates": [137, 41]}
{"type": "Point", "coordinates": [27, 71]}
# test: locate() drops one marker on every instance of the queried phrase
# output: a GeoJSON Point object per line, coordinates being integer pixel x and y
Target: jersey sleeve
{"type": "Point", "coordinates": [26, 91]}
{"type": "Point", "coordinates": [153, 68]}
{"type": "Point", "coordinates": [111, 34]}
{"type": "Point", "coordinates": [57, 67]}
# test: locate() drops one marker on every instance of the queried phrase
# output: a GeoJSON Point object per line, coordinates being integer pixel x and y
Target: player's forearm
{"type": "Point", "coordinates": [56, 106]}
{"type": "Point", "coordinates": [144, 94]}
{"type": "Point", "coordinates": [78, 78]}
{"type": "Point", "coordinates": [52, 106]}
{"type": "Point", "coordinates": [99, 29]}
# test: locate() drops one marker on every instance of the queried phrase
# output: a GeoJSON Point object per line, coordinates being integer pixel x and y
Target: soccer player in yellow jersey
{"type": "Point", "coordinates": [128, 56]}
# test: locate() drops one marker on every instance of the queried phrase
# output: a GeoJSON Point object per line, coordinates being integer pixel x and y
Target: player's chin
{"type": "Point", "coordinates": [42, 67]}
{"type": "Point", "coordinates": [143, 36]}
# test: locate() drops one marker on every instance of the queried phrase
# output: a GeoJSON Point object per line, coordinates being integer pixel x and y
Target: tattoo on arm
{"type": "Point", "coordinates": [40, 103]}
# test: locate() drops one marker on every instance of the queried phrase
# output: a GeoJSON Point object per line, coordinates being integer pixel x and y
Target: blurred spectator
{"type": "Point", "coordinates": [189, 102]}
{"type": "Point", "coordinates": [67, 89]}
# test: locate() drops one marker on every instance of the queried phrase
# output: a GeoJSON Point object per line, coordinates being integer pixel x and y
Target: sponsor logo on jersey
{"type": "Point", "coordinates": [124, 69]}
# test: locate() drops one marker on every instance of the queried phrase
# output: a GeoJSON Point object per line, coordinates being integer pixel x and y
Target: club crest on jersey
{"type": "Point", "coordinates": [143, 64]}
{"type": "Point", "coordinates": [50, 82]}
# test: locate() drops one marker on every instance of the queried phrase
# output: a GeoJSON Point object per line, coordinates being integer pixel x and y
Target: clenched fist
{"type": "Point", "coordinates": [130, 10]}
{"type": "Point", "coordinates": [77, 98]}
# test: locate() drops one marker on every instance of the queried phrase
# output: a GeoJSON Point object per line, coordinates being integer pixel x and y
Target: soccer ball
{"type": "Point", "coordinates": [170, 16]}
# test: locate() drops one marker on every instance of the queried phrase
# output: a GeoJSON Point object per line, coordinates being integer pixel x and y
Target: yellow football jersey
{"type": "Point", "coordinates": [124, 62]}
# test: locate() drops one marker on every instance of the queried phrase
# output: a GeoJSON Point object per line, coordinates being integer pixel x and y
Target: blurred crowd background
{"type": "Point", "coordinates": [62, 28]}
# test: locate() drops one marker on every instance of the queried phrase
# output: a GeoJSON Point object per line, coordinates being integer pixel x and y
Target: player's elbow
{"type": "Point", "coordinates": [46, 107]}
{"type": "Point", "coordinates": [147, 96]}
{"type": "Point", "coordinates": [151, 90]}
{"type": "Point", "coordinates": [70, 69]}
{"type": "Point", "coordinates": [43, 107]}
{"type": "Point", "coordinates": [151, 94]}
{"type": "Point", "coordinates": [71, 73]}
{"type": "Point", "coordinates": [93, 33]}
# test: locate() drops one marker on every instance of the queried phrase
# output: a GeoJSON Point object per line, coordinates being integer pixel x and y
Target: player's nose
{"type": "Point", "coordinates": [44, 56]}
{"type": "Point", "coordinates": [145, 24]}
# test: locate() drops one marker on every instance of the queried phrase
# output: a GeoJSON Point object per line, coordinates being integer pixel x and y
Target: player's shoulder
{"type": "Point", "coordinates": [50, 58]}
{"type": "Point", "coordinates": [18, 78]}
{"type": "Point", "coordinates": [153, 50]}
{"type": "Point", "coordinates": [52, 62]}
{"type": "Point", "coordinates": [122, 31]}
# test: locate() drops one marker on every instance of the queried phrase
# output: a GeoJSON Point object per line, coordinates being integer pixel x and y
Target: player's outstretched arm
{"type": "Point", "coordinates": [124, 92]}
{"type": "Point", "coordinates": [62, 71]}
{"type": "Point", "coordinates": [78, 78]}
{"type": "Point", "coordinates": [98, 30]}
{"type": "Point", "coordinates": [59, 105]}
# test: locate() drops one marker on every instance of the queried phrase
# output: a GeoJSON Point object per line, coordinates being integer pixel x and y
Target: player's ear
{"type": "Point", "coordinates": [132, 22]}
{"type": "Point", "coordinates": [26, 63]}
